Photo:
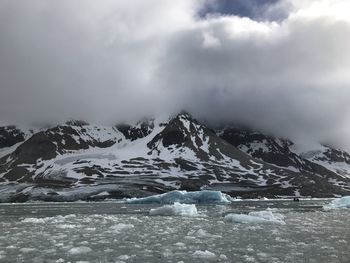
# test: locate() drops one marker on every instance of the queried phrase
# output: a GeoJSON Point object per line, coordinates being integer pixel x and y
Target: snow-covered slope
{"type": "Point", "coordinates": [12, 136]}
{"type": "Point", "coordinates": [325, 161]}
{"type": "Point", "coordinates": [333, 159]}
{"type": "Point", "coordinates": [78, 160]}
{"type": "Point", "coordinates": [269, 149]}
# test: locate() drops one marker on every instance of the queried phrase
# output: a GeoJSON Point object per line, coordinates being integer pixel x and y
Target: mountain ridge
{"type": "Point", "coordinates": [82, 161]}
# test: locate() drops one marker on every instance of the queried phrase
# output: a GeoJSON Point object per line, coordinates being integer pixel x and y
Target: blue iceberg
{"type": "Point", "coordinates": [183, 197]}
{"type": "Point", "coordinates": [343, 202]}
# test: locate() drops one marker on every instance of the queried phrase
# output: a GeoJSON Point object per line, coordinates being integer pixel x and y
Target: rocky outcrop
{"type": "Point", "coordinates": [10, 135]}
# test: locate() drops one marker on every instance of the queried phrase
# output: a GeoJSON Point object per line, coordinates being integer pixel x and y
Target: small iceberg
{"type": "Point", "coordinates": [260, 217]}
{"type": "Point", "coordinates": [204, 254]}
{"type": "Point", "coordinates": [184, 197]}
{"type": "Point", "coordinates": [121, 227]}
{"type": "Point", "coordinates": [176, 209]}
{"type": "Point", "coordinates": [79, 250]}
{"type": "Point", "coordinates": [339, 203]}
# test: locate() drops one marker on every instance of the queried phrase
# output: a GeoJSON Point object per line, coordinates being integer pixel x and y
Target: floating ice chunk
{"type": "Point", "coordinates": [66, 226]}
{"type": "Point", "coordinates": [180, 244]}
{"type": "Point", "coordinates": [34, 220]}
{"type": "Point", "coordinates": [124, 257]}
{"type": "Point", "coordinates": [120, 227]}
{"type": "Point", "coordinates": [268, 215]}
{"type": "Point", "coordinates": [43, 220]}
{"type": "Point", "coordinates": [176, 209]}
{"type": "Point", "coordinates": [246, 219]}
{"type": "Point", "coordinates": [260, 217]}
{"type": "Point", "coordinates": [27, 250]}
{"type": "Point", "coordinates": [11, 247]}
{"type": "Point", "coordinates": [79, 250]}
{"type": "Point", "coordinates": [204, 254]}
{"type": "Point", "coordinates": [204, 234]}
{"type": "Point", "coordinates": [343, 202]}
{"type": "Point", "coordinates": [183, 197]}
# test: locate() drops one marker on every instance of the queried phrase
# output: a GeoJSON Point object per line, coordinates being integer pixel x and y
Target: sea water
{"type": "Point", "coordinates": [119, 232]}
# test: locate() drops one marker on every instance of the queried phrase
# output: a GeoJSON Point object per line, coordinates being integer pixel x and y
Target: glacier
{"type": "Point", "coordinates": [184, 197]}
{"type": "Point", "coordinates": [259, 217]}
{"type": "Point", "coordinates": [343, 202]}
{"type": "Point", "coordinates": [176, 209]}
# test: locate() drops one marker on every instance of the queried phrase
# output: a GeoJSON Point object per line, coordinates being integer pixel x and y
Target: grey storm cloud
{"type": "Point", "coordinates": [107, 61]}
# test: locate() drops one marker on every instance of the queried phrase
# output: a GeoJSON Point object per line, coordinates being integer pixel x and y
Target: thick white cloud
{"type": "Point", "coordinates": [83, 58]}
{"type": "Point", "coordinates": [120, 59]}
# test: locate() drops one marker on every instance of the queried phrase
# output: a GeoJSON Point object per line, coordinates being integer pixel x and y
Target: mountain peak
{"type": "Point", "coordinates": [77, 123]}
{"type": "Point", "coordinates": [151, 156]}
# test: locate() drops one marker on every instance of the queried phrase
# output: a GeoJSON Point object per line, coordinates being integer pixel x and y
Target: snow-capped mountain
{"type": "Point", "coordinates": [78, 160]}
{"type": "Point", "coordinates": [325, 162]}
{"type": "Point", "coordinates": [335, 160]}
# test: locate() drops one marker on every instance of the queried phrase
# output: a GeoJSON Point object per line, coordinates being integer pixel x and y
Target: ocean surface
{"type": "Point", "coordinates": [116, 232]}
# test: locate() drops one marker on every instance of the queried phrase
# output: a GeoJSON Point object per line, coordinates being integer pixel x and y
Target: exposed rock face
{"type": "Point", "coordinates": [82, 161]}
{"type": "Point", "coordinates": [141, 130]}
{"type": "Point", "coordinates": [331, 159]}
{"type": "Point", "coordinates": [269, 149]}
{"type": "Point", "coordinates": [322, 163]}
{"type": "Point", "coordinates": [10, 135]}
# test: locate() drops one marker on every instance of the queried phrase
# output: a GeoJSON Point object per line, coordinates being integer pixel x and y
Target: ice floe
{"type": "Point", "coordinates": [34, 220]}
{"type": "Point", "coordinates": [201, 234]}
{"type": "Point", "coordinates": [26, 250]}
{"type": "Point", "coordinates": [184, 197]}
{"type": "Point", "coordinates": [343, 202]}
{"type": "Point", "coordinates": [121, 227]}
{"type": "Point", "coordinates": [176, 209]}
{"type": "Point", "coordinates": [204, 254]}
{"type": "Point", "coordinates": [171, 238]}
{"type": "Point", "coordinates": [259, 217]}
{"type": "Point", "coordinates": [79, 250]}
{"type": "Point", "coordinates": [124, 257]}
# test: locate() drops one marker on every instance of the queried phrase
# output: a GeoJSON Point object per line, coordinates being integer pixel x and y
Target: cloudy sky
{"type": "Point", "coordinates": [278, 65]}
